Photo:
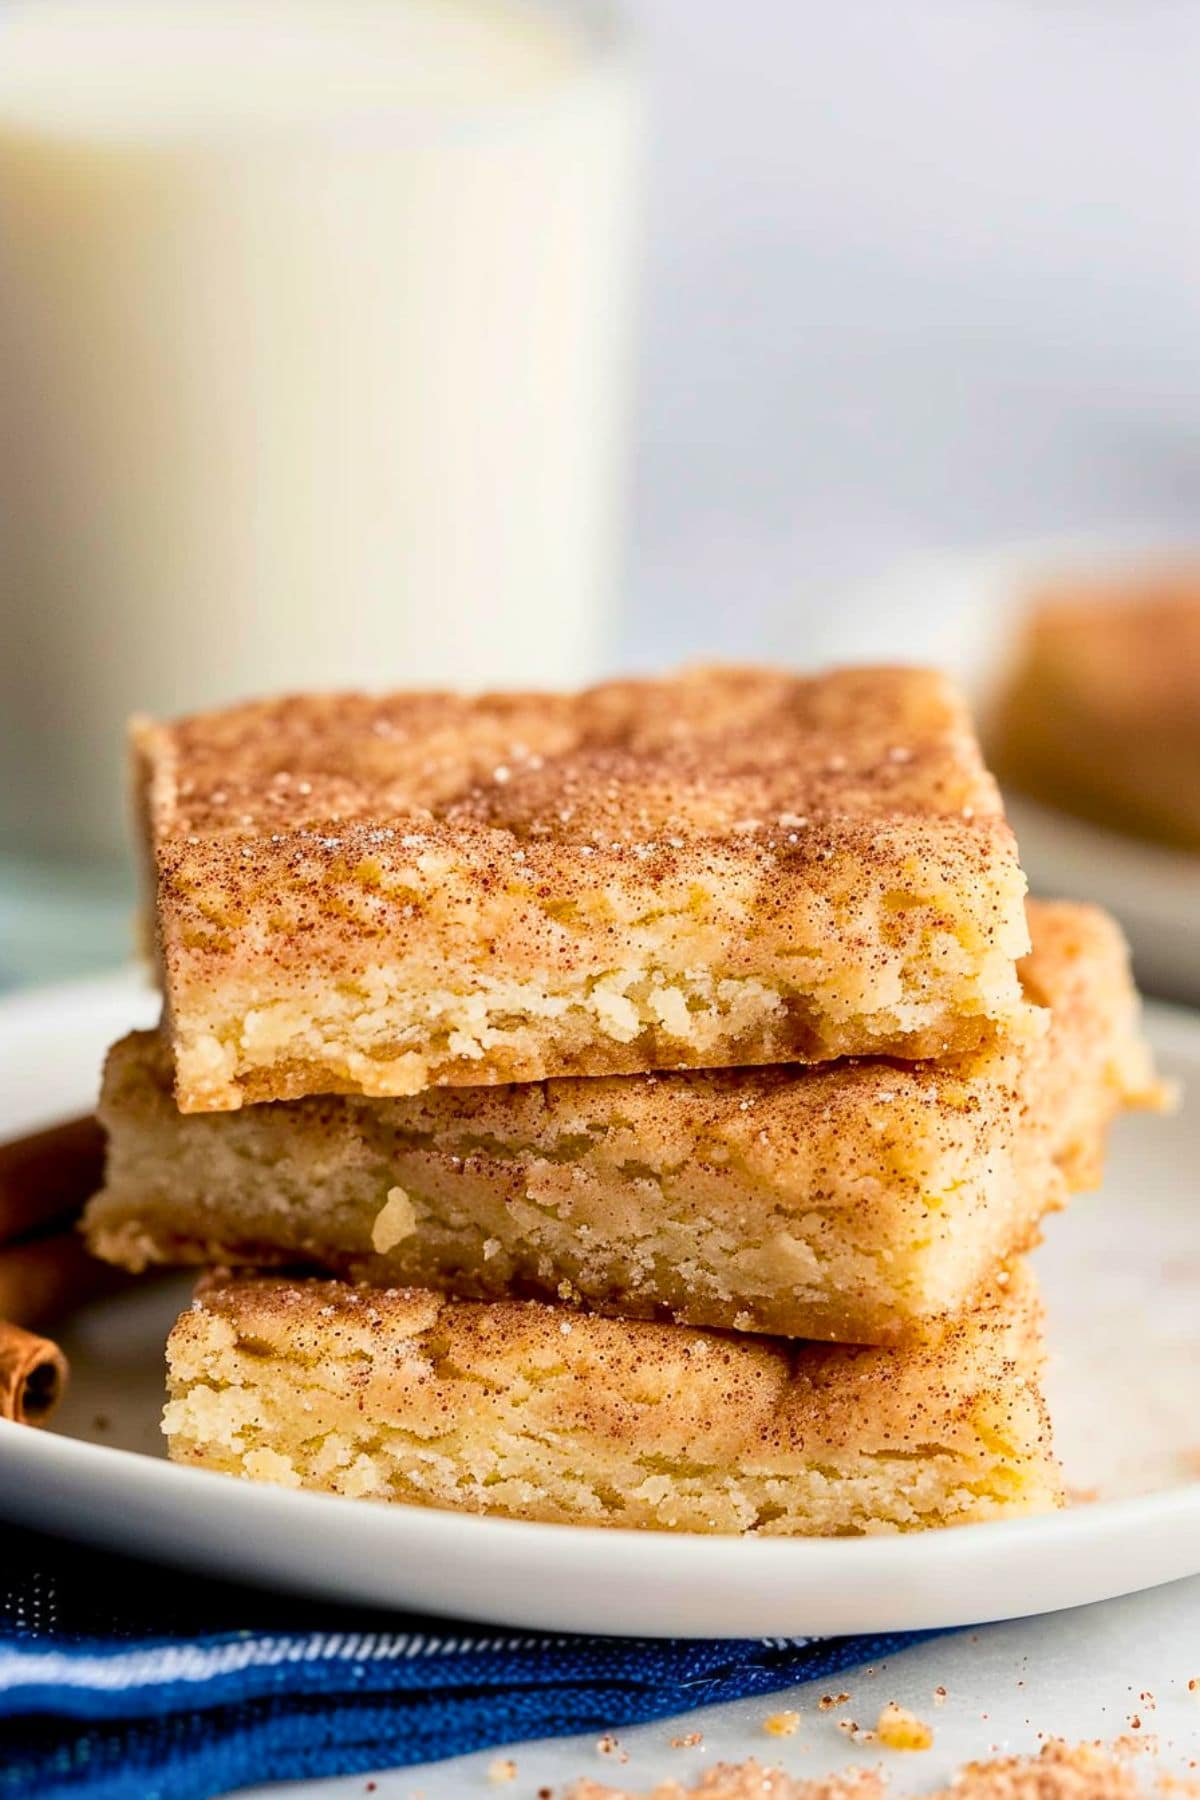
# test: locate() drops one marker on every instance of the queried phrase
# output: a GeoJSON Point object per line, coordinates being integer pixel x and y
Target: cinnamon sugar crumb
{"type": "Point", "coordinates": [689, 1741]}
{"type": "Point", "coordinates": [828, 1701]}
{"type": "Point", "coordinates": [1061, 1772]}
{"type": "Point", "coordinates": [1127, 1745]}
{"type": "Point", "coordinates": [900, 1729]}
{"type": "Point", "coordinates": [503, 1768]}
{"type": "Point", "coordinates": [748, 1781]}
{"type": "Point", "coordinates": [782, 1724]}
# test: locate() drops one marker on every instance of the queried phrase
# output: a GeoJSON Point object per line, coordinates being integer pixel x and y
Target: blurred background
{"type": "Point", "coordinates": [918, 278]}
{"type": "Point", "coordinates": [489, 341]}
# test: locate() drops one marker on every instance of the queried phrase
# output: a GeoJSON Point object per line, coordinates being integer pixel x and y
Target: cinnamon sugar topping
{"type": "Point", "coordinates": [381, 894]}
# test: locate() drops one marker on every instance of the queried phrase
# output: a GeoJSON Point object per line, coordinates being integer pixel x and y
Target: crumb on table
{"type": "Point", "coordinates": [900, 1729]}
{"type": "Point", "coordinates": [1060, 1771]}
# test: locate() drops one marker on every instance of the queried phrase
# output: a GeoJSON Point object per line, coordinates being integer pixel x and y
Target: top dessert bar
{"type": "Point", "coordinates": [726, 866]}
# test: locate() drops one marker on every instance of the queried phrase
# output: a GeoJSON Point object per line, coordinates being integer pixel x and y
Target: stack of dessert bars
{"type": "Point", "coordinates": [624, 1108]}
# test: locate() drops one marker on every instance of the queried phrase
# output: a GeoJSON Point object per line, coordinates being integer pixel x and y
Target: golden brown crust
{"type": "Point", "coordinates": [1101, 714]}
{"type": "Point", "coordinates": [848, 1202]}
{"type": "Point", "coordinates": [732, 865]}
{"type": "Point", "coordinates": [530, 1411]}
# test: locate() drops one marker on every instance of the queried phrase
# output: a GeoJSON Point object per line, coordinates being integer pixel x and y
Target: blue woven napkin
{"type": "Point", "coordinates": [123, 1681]}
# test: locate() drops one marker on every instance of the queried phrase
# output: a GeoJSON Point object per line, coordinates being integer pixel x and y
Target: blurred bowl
{"type": "Point", "coordinates": [963, 611]}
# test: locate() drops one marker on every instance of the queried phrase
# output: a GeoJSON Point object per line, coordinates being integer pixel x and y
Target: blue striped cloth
{"type": "Point", "coordinates": [120, 1681]}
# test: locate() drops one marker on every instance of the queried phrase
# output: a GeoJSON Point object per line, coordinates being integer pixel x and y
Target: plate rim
{"type": "Point", "coordinates": [169, 1475]}
{"type": "Point", "coordinates": [630, 1580]}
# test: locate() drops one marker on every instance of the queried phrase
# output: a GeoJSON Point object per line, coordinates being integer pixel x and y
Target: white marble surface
{"type": "Point", "coordinates": [1081, 1675]}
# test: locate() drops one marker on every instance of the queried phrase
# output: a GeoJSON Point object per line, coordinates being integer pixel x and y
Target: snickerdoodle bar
{"type": "Point", "coordinates": [538, 1412]}
{"type": "Point", "coordinates": [728, 866]}
{"type": "Point", "coordinates": [854, 1201]}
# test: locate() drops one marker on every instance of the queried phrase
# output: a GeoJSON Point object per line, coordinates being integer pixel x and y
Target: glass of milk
{"type": "Point", "coordinates": [314, 322]}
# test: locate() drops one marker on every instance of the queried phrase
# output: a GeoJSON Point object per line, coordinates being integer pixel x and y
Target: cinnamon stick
{"type": "Point", "coordinates": [33, 1374]}
{"type": "Point", "coordinates": [48, 1175]}
{"type": "Point", "coordinates": [47, 1277]}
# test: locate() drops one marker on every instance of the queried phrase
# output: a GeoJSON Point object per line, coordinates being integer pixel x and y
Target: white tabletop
{"type": "Point", "coordinates": [1079, 1675]}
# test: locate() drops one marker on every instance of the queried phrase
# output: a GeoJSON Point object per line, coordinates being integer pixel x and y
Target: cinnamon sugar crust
{"type": "Point", "coordinates": [376, 895]}
{"type": "Point", "coordinates": [534, 1412]}
{"type": "Point", "coordinates": [852, 1202]}
{"type": "Point", "coordinates": [1101, 713]}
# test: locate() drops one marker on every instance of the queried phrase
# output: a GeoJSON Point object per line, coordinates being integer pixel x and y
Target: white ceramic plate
{"type": "Point", "coordinates": [962, 610]}
{"type": "Point", "coordinates": [1122, 1274]}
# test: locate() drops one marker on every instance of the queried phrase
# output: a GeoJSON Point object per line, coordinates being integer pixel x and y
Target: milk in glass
{"type": "Point", "coordinates": [313, 334]}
